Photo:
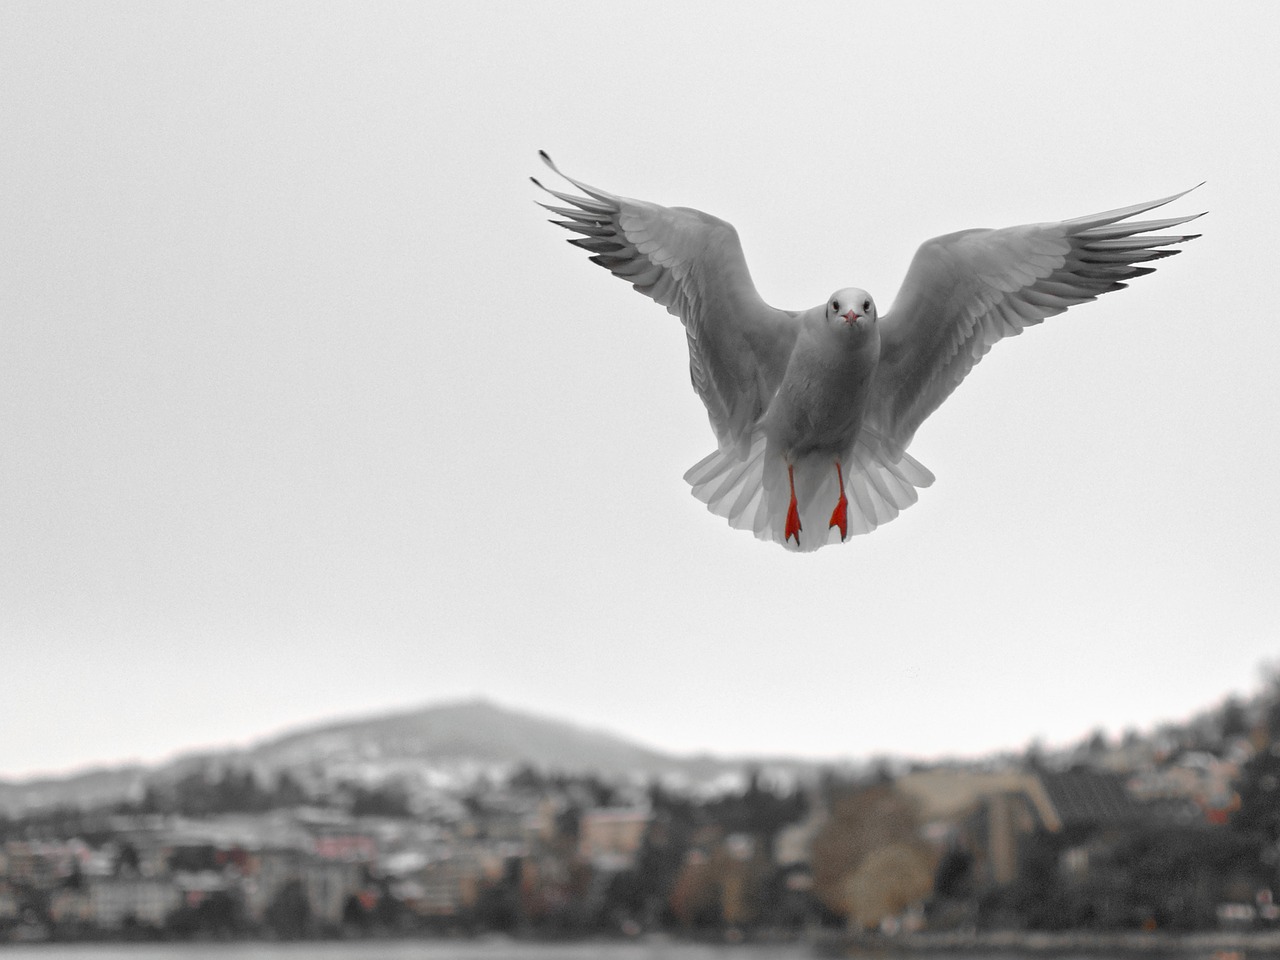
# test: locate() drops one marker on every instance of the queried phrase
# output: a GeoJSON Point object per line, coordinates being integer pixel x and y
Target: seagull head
{"type": "Point", "coordinates": [852, 306]}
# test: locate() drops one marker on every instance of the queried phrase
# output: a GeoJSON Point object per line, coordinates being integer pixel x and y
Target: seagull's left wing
{"type": "Point", "coordinates": [964, 291]}
{"type": "Point", "coordinates": [692, 264]}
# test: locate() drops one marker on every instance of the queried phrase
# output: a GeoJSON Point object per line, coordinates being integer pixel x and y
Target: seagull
{"type": "Point", "coordinates": [813, 410]}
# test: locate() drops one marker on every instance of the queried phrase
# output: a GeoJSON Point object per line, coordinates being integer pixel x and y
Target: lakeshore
{"type": "Point", "coordinates": [1212, 945]}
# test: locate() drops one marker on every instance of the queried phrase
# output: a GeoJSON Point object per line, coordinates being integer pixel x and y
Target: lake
{"type": "Point", "coordinates": [486, 949]}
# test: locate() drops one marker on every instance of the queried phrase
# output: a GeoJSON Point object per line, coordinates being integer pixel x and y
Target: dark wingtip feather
{"type": "Point", "coordinates": [596, 245]}
{"type": "Point", "coordinates": [607, 261]}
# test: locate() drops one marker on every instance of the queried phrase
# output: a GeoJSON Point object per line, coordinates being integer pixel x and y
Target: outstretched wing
{"type": "Point", "coordinates": [964, 291]}
{"type": "Point", "coordinates": [692, 264]}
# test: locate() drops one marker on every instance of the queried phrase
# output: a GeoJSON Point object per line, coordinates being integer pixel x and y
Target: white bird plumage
{"type": "Point", "coordinates": [817, 406]}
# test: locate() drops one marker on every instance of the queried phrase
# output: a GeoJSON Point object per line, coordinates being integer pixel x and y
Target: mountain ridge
{"type": "Point", "coordinates": [469, 729]}
{"type": "Point", "coordinates": [458, 734]}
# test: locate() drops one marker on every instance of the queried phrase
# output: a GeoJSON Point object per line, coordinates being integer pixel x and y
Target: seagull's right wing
{"type": "Point", "coordinates": [964, 291]}
{"type": "Point", "coordinates": [692, 264]}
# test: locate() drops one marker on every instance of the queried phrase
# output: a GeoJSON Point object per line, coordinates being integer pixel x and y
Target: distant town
{"type": "Point", "coordinates": [347, 834]}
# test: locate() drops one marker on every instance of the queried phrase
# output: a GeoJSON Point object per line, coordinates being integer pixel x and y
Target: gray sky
{"type": "Point", "coordinates": [305, 411]}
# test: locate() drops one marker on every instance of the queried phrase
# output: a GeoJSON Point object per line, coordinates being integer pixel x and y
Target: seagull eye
{"type": "Point", "coordinates": [835, 305]}
{"type": "Point", "coordinates": [866, 306]}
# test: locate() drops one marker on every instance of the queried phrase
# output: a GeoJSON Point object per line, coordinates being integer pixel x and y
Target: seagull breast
{"type": "Point", "coordinates": [820, 404]}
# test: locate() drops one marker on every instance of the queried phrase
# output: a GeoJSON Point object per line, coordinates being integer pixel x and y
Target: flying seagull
{"type": "Point", "coordinates": [813, 410]}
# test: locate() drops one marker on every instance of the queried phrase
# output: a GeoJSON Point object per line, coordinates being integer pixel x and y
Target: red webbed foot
{"type": "Point", "coordinates": [840, 515]}
{"type": "Point", "coordinates": [793, 523]}
{"type": "Point", "coordinates": [793, 512]}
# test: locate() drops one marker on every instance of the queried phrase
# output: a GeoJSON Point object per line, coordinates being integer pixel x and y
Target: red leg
{"type": "Point", "coordinates": [793, 514]}
{"type": "Point", "coordinates": [840, 515]}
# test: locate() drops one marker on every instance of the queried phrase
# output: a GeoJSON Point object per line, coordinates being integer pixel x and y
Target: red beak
{"type": "Point", "coordinates": [849, 317]}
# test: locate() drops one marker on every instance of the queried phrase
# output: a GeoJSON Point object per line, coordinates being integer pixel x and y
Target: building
{"type": "Point", "coordinates": [124, 901]}
{"type": "Point", "coordinates": [610, 838]}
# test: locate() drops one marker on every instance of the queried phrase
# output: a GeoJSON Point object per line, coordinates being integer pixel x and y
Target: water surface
{"type": "Point", "coordinates": [486, 949]}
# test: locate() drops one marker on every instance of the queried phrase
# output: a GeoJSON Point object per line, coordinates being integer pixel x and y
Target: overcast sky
{"type": "Point", "coordinates": [305, 411]}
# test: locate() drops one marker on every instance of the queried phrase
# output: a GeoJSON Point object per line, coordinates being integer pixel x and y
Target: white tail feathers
{"type": "Point", "coordinates": [753, 492]}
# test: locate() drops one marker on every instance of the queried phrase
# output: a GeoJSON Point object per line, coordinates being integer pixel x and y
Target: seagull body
{"type": "Point", "coordinates": [816, 414]}
{"type": "Point", "coordinates": [813, 410]}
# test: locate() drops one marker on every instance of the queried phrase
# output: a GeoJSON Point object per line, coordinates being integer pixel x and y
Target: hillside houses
{"type": "Point", "coordinates": [1177, 835]}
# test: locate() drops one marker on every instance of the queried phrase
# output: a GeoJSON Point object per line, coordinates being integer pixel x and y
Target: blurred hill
{"type": "Point", "coordinates": [85, 789]}
{"type": "Point", "coordinates": [457, 747]}
{"type": "Point", "coordinates": [474, 731]}
{"type": "Point", "coordinates": [440, 746]}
